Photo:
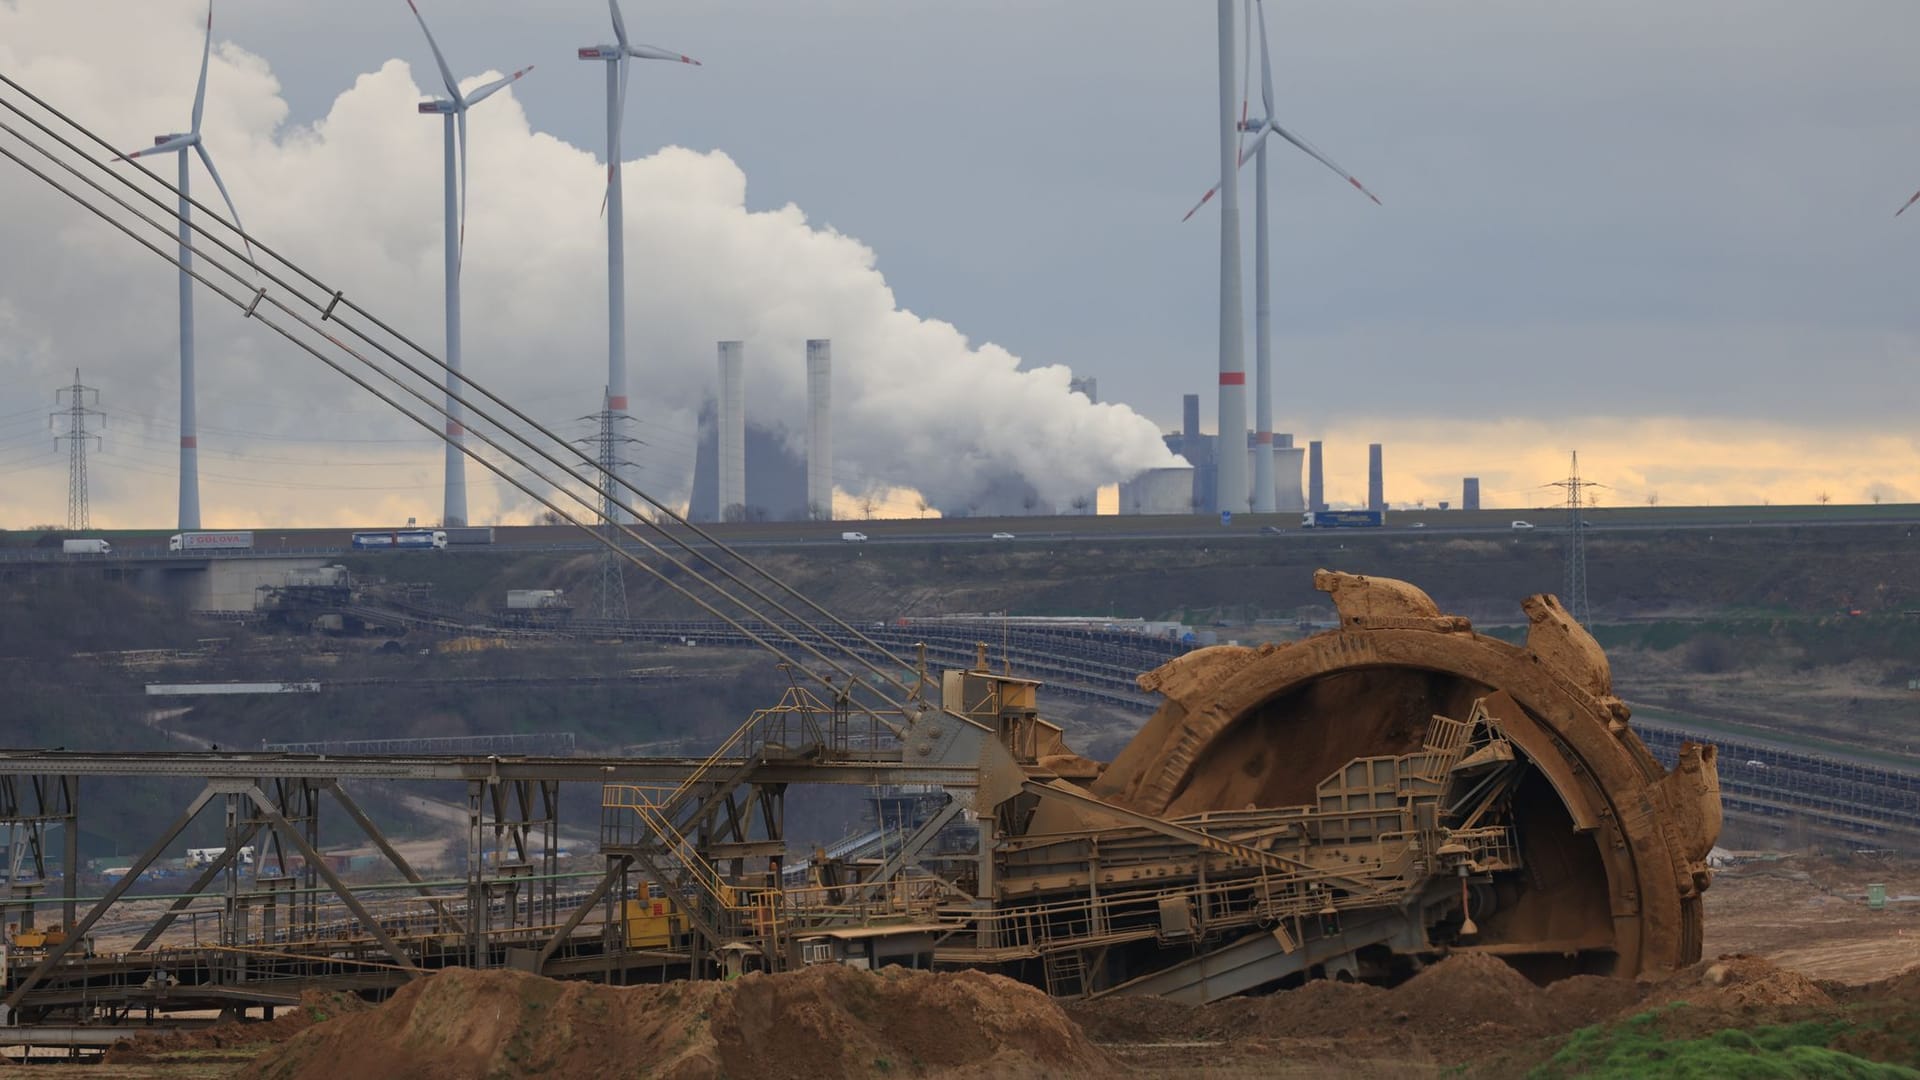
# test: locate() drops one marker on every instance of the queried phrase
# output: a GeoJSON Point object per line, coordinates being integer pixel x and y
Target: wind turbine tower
{"type": "Point", "coordinates": [1258, 130]}
{"type": "Point", "coordinates": [1262, 291]}
{"type": "Point", "coordinates": [453, 111]}
{"type": "Point", "coordinates": [616, 56]}
{"type": "Point", "coordinates": [1230, 472]}
{"type": "Point", "coordinates": [180, 144]}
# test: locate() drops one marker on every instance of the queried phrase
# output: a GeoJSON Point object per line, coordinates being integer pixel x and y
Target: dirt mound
{"type": "Point", "coordinates": [1737, 981]}
{"type": "Point", "coordinates": [244, 1038]}
{"type": "Point", "coordinates": [1456, 1010]}
{"type": "Point", "coordinates": [1589, 999]}
{"type": "Point", "coordinates": [823, 1021]}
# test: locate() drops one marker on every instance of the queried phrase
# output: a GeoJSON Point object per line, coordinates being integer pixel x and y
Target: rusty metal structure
{"type": "Point", "coordinates": [1351, 805]}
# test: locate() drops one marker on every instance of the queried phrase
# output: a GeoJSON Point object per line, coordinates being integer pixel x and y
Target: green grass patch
{"type": "Point", "coordinates": [1642, 1046]}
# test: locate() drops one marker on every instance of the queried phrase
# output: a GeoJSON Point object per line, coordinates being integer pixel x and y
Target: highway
{"type": "Point", "coordinates": [1548, 525]}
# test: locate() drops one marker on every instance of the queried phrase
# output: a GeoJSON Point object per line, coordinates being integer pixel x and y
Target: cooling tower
{"type": "Point", "coordinates": [1287, 460]}
{"type": "Point", "coordinates": [1158, 491]}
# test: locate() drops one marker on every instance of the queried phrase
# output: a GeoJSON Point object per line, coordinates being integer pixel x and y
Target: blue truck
{"type": "Point", "coordinates": [1343, 519]}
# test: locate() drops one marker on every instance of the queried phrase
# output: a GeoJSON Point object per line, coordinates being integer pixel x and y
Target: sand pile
{"type": "Point", "coordinates": [243, 1038]}
{"type": "Point", "coordinates": [1454, 1010]}
{"type": "Point", "coordinates": [1738, 981]}
{"type": "Point", "coordinates": [823, 1021]}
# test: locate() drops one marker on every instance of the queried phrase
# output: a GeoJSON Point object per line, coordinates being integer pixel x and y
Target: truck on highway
{"type": "Point", "coordinates": [85, 547]}
{"type": "Point", "coordinates": [210, 541]}
{"type": "Point", "coordinates": [1343, 519]}
{"type": "Point", "coordinates": [460, 535]}
{"type": "Point", "coordinates": [400, 540]}
{"type": "Point", "coordinates": [854, 537]}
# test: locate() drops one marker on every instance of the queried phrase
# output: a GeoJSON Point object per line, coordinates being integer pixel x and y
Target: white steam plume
{"type": "Point", "coordinates": [356, 197]}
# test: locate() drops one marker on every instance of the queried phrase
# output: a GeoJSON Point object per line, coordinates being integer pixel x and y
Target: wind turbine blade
{"type": "Point", "coordinates": [1910, 202]}
{"type": "Point", "coordinates": [619, 24]}
{"type": "Point", "coordinates": [178, 142]}
{"type": "Point", "coordinates": [200, 91]}
{"type": "Point", "coordinates": [619, 120]}
{"type": "Point", "coordinates": [1266, 64]}
{"type": "Point", "coordinates": [1246, 155]}
{"type": "Point", "coordinates": [1308, 149]}
{"type": "Point", "coordinates": [446, 73]}
{"type": "Point", "coordinates": [460, 125]}
{"type": "Point", "coordinates": [1204, 199]}
{"type": "Point", "coordinates": [482, 93]}
{"type": "Point", "coordinates": [654, 52]}
{"type": "Point", "coordinates": [207, 160]}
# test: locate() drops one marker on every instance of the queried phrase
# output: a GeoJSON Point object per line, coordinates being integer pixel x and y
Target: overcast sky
{"type": "Point", "coordinates": [1659, 232]}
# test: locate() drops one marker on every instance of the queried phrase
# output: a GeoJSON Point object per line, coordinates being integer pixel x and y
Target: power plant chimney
{"type": "Point", "coordinates": [1190, 419]}
{"type": "Point", "coordinates": [1316, 478]}
{"type": "Point", "coordinates": [1376, 485]}
{"type": "Point", "coordinates": [1470, 493]}
{"type": "Point", "coordinates": [1231, 486]}
{"type": "Point", "coordinates": [820, 429]}
{"type": "Point", "coordinates": [732, 445]}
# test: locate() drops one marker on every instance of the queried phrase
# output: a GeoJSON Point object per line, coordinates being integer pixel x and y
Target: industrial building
{"type": "Point", "coordinates": [1202, 452]}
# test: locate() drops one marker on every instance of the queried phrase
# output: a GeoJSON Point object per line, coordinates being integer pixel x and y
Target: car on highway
{"type": "Point", "coordinates": [1522, 525]}
{"type": "Point", "coordinates": [1003, 536]}
{"type": "Point", "coordinates": [853, 537]}
{"type": "Point", "coordinates": [1272, 530]}
{"type": "Point", "coordinates": [1418, 525]}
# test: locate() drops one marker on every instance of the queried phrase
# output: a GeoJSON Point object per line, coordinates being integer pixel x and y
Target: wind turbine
{"type": "Point", "coordinates": [1263, 488]}
{"type": "Point", "coordinates": [178, 143]}
{"type": "Point", "coordinates": [616, 56]}
{"type": "Point", "coordinates": [453, 110]}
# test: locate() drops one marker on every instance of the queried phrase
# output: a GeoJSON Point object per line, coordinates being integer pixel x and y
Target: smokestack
{"type": "Point", "coordinates": [1230, 482]}
{"type": "Point", "coordinates": [1470, 493]}
{"type": "Point", "coordinates": [1376, 485]}
{"type": "Point", "coordinates": [1190, 418]}
{"type": "Point", "coordinates": [820, 429]}
{"type": "Point", "coordinates": [732, 421]}
{"type": "Point", "coordinates": [1316, 478]}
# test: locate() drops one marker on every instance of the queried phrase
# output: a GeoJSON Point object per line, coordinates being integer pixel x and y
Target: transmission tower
{"type": "Point", "coordinates": [610, 593]}
{"type": "Point", "coordinates": [76, 436]}
{"type": "Point", "coordinates": [1574, 596]}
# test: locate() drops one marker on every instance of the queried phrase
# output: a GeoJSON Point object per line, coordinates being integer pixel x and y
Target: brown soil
{"type": "Point", "coordinates": [244, 1039]}
{"type": "Point", "coordinates": [822, 1021]}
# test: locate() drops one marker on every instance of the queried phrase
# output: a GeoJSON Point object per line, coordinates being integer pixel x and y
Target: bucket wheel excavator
{"type": "Point", "coordinates": [1372, 798]}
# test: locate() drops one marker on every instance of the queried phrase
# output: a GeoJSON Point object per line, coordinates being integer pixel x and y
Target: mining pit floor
{"type": "Point", "coordinates": [1790, 947]}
